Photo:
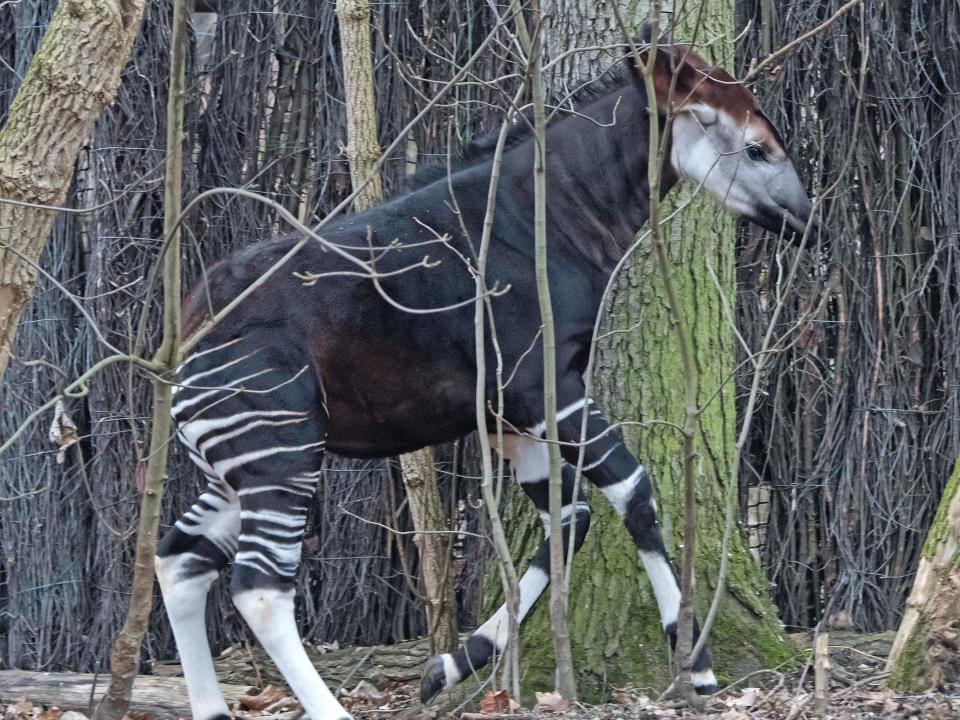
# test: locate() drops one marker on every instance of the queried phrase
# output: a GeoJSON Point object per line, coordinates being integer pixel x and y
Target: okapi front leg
{"type": "Point", "coordinates": [625, 483]}
{"type": "Point", "coordinates": [530, 464]}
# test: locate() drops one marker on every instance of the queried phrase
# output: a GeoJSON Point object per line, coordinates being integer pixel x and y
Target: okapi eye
{"type": "Point", "coordinates": [755, 152]}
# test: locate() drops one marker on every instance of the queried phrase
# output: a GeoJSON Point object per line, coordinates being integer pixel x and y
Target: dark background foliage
{"type": "Point", "coordinates": [858, 426]}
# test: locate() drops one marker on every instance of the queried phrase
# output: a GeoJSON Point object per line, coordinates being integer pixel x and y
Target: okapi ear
{"type": "Point", "coordinates": [681, 78]}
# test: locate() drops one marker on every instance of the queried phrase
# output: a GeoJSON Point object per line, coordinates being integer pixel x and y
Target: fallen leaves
{"type": "Point", "coordinates": [365, 693]}
{"type": "Point", "coordinates": [270, 699]}
{"type": "Point", "coordinates": [23, 709]}
{"type": "Point", "coordinates": [498, 702]}
{"type": "Point", "coordinates": [551, 702]}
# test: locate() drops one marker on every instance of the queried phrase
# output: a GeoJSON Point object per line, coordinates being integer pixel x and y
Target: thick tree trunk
{"type": "Point", "coordinates": [925, 653]}
{"type": "Point", "coordinates": [614, 622]}
{"type": "Point", "coordinates": [419, 476]}
{"type": "Point", "coordinates": [72, 78]}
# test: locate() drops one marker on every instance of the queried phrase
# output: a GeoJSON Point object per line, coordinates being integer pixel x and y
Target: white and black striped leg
{"type": "Point", "coordinates": [529, 461]}
{"type": "Point", "coordinates": [625, 483]}
{"type": "Point", "coordinates": [267, 444]}
{"type": "Point", "coordinates": [272, 518]}
{"type": "Point", "coordinates": [188, 560]}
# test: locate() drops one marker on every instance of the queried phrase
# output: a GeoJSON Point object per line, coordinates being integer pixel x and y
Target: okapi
{"type": "Point", "coordinates": [298, 368]}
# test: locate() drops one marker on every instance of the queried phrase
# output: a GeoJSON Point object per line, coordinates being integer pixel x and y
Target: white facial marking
{"type": "Point", "coordinates": [717, 156]}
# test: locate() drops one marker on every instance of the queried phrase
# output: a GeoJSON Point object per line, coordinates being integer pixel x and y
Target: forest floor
{"type": "Point", "coordinates": [856, 693]}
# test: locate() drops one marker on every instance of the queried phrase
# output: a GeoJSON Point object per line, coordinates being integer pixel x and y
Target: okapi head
{"type": "Point", "coordinates": [722, 140]}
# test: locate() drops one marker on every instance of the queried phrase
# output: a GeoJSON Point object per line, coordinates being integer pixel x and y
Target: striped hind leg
{"type": "Point", "coordinates": [253, 419]}
{"type": "Point", "coordinates": [272, 518]}
{"type": "Point", "coordinates": [623, 480]}
{"type": "Point", "coordinates": [530, 464]}
{"type": "Point", "coordinates": [188, 560]}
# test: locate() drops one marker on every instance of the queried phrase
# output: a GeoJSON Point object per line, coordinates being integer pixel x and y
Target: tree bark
{"type": "Point", "coordinates": [614, 622]}
{"type": "Point", "coordinates": [362, 148]}
{"type": "Point", "coordinates": [924, 654]}
{"type": "Point", "coordinates": [436, 565]}
{"type": "Point", "coordinates": [72, 78]}
{"type": "Point", "coordinates": [419, 476]}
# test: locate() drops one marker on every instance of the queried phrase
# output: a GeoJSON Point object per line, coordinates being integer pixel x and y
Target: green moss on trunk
{"type": "Point", "coordinates": [615, 624]}
{"type": "Point", "coordinates": [924, 651]}
{"type": "Point", "coordinates": [614, 620]}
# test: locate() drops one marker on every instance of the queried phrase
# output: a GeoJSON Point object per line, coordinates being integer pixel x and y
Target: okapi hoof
{"type": "Point", "coordinates": [433, 681]}
{"type": "Point", "coordinates": [704, 682]}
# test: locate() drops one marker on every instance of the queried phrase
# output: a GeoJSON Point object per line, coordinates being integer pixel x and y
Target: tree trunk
{"type": "Point", "coordinates": [125, 658]}
{"type": "Point", "coordinates": [614, 622]}
{"type": "Point", "coordinates": [72, 78]}
{"type": "Point", "coordinates": [924, 654]}
{"type": "Point", "coordinates": [419, 476]}
{"type": "Point", "coordinates": [436, 562]}
{"type": "Point", "coordinates": [362, 148]}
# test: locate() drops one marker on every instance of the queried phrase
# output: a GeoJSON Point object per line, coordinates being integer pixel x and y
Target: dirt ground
{"type": "Point", "coordinates": [856, 693]}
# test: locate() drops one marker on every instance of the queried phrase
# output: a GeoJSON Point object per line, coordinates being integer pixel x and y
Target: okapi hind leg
{"type": "Point", "coordinates": [274, 498]}
{"type": "Point", "coordinates": [188, 560]}
{"type": "Point", "coordinates": [529, 461]}
{"type": "Point", "coordinates": [624, 482]}
{"type": "Point", "coordinates": [253, 419]}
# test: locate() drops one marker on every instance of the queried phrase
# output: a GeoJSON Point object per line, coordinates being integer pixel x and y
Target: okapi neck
{"type": "Point", "coordinates": [598, 193]}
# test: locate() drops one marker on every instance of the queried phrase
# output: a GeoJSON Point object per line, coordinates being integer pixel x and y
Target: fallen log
{"type": "Point", "coordinates": [382, 665]}
{"type": "Point", "coordinates": [164, 698]}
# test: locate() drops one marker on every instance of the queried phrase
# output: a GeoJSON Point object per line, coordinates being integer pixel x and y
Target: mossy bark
{"type": "Point", "coordinates": [614, 621]}
{"type": "Point", "coordinates": [924, 653]}
{"type": "Point", "coordinates": [72, 78]}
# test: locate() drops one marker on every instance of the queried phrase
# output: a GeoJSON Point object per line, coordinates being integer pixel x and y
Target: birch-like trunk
{"type": "Point", "coordinates": [924, 654]}
{"type": "Point", "coordinates": [362, 148]}
{"type": "Point", "coordinates": [419, 475]}
{"type": "Point", "coordinates": [72, 78]}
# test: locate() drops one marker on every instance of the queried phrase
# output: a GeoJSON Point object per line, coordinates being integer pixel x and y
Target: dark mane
{"type": "Point", "coordinates": [482, 148]}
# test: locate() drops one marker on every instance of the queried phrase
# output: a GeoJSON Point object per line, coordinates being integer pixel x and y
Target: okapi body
{"type": "Point", "coordinates": [298, 369]}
